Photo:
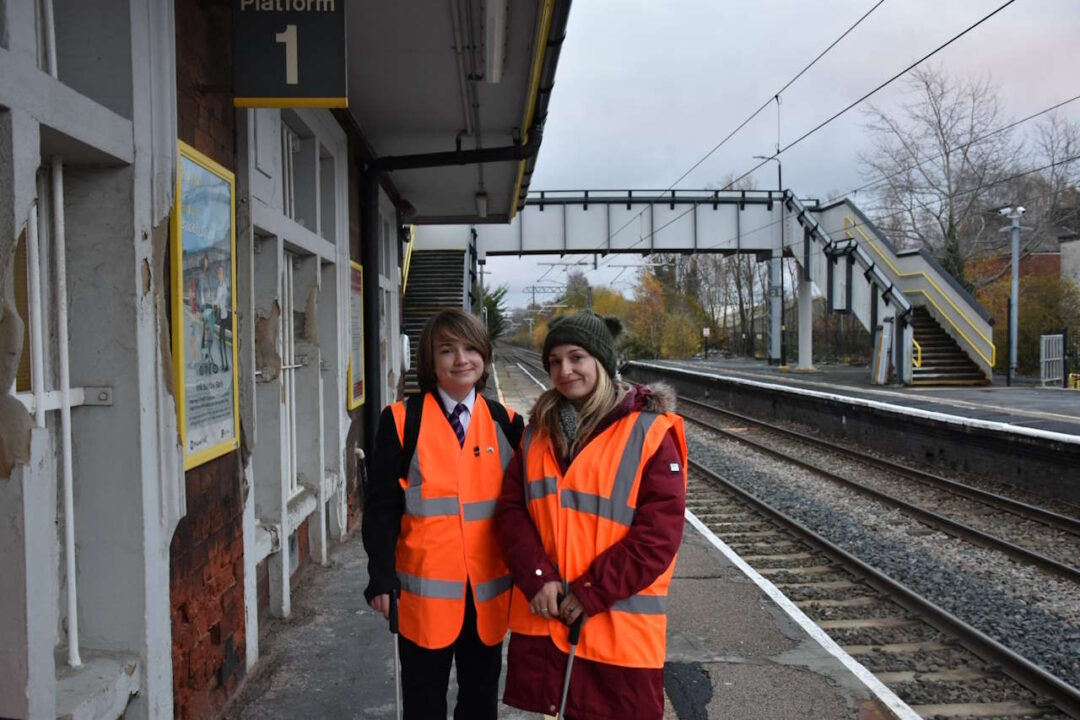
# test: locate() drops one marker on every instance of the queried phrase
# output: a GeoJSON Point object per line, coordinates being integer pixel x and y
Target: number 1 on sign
{"type": "Point", "coordinates": [289, 38]}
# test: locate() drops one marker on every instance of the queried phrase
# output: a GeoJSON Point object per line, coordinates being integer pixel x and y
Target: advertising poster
{"type": "Point", "coordinates": [204, 307]}
{"type": "Point", "coordinates": [356, 336]}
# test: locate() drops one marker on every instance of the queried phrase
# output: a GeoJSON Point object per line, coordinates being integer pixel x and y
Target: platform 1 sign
{"type": "Point", "coordinates": [289, 53]}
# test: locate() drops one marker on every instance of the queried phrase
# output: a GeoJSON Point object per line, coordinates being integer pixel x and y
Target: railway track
{"type": "Point", "coordinates": [1031, 534]}
{"type": "Point", "coordinates": [934, 661]}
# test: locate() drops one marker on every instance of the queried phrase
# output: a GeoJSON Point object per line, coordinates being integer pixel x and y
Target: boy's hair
{"type": "Point", "coordinates": [456, 325]}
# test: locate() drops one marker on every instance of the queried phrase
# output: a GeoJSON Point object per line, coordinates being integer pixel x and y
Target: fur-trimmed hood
{"type": "Point", "coordinates": [656, 397]}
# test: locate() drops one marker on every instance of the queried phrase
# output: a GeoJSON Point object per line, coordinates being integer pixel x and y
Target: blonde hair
{"type": "Point", "coordinates": [604, 398]}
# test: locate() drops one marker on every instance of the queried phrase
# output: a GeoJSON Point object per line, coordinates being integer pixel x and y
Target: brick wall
{"type": "Point", "coordinates": [204, 78]}
{"type": "Point", "coordinates": [1034, 265]}
{"type": "Point", "coordinates": [206, 555]}
{"type": "Point", "coordinates": [207, 590]}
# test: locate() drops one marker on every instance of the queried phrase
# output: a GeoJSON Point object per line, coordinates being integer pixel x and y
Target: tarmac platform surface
{"type": "Point", "coordinates": [737, 649]}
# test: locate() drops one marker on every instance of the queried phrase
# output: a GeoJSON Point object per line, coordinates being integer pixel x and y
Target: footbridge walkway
{"type": "Point", "coordinates": [928, 326]}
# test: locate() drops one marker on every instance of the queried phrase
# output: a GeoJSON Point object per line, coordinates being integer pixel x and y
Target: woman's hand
{"type": "Point", "coordinates": [545, 603]}
{"type": "Point", "coordinates": [570, 609]}
{"type": "Point", "coordinates": [381, 603]}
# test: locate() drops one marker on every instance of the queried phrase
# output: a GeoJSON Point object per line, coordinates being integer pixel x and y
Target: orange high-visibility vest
{"type": "Point", "coordinates": [584, 512]}
{"type": "Point", "coordinates": [447, 532]}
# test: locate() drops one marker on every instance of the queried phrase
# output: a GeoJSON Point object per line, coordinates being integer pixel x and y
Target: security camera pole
{"type": "Point", "coordinates": [1013, 214]}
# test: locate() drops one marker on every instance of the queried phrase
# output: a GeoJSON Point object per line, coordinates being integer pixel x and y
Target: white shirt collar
{"type": "Point", "coordinates": [450, 403]}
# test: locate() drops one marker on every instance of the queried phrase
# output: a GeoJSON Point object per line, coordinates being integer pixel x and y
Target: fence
{"type": "Point", "coordinates": [1052, 359]}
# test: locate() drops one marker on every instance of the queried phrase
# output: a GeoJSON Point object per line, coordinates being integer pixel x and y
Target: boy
{"type": "Point", "coordinates": [428, 530]}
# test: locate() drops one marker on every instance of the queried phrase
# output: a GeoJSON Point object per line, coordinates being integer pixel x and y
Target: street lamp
{"type": "Point", "coordinates": [780, 187]}
{"type": "Point", "coordinates": [1013, 214]}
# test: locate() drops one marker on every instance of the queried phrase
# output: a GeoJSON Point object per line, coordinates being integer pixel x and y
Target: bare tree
{"type": "Point", "coordinates": [938, 160]}
{"type": "Point", "coordinates": [713, 283]}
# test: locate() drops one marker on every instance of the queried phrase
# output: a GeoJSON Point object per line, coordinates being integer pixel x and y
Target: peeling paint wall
{"type": "Point", "coordinates": [206, 555]}
{"type": "Point", "coordinates": [15, 422]}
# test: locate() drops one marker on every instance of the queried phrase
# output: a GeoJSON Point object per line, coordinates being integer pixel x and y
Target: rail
{"type": "Point", "coordinates": [988, 355]}
{"type": "Point", "coordinates": [408, 259]}
{"type": "Point", "coordinates": [1060, 693]}
{"type": "Point", "coordinates": [917, 362]}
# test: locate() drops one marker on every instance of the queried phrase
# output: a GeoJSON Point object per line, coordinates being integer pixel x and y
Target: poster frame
{"type": "Point", "coordinates": [353, 401]}
{"type": "Point", "coordinates": [176, 249]}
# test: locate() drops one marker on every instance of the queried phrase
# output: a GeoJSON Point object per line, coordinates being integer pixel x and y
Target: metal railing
{"type": "Point", "coordinates": [40, 400]}
{"type": "Point", "coordinates": [917, 362]}
{"type": "Point", "coordinates": [851, 225]}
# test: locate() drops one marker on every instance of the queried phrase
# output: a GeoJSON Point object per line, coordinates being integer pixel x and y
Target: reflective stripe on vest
{"type": "Point", "coordinates": [583, 513]}
{"type": "Point", "coordinates": [543, 487]}
{"type": "Point", "coordinates": [642, 605]}
{"type": "Point", "coordinates": [493, 588]}
{"type": "Point", "coordinates": [447, 538]}
{"type": "Point", "coordinates": [616, 507]}
{"type": "Point", "coordinates": [438, 589]}
{"type": "Point", "coordinates": [482, 510]}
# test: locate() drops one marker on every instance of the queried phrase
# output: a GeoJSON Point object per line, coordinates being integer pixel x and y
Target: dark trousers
{"type": "Point", "coordinates": [425, 675]}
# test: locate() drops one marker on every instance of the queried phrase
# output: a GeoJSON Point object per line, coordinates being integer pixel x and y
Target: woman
{"type": "Point", "coordinates": [427, 524]}
{"type": "Point", "coordinates": [590, 520]}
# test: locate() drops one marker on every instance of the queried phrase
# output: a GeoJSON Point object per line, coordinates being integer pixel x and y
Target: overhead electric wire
{"type": "Point", "coordinates": [837, 115]}
{"type": "Point", "coordinates": [821, 125]}
{"type": "Point", "coordinates": [773, 97]}
{"type": "Point", "coordinates": [951, 196]}
{"type": "Point", "coordinates": [888, 82]}
{"type": "Point", "coordinates": [757, 112]}
{"type": "Point", "coordinates": [969, 143]}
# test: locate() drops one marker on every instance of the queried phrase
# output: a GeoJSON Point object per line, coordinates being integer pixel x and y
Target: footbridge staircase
{"type": "Point", "coordinates": [938, 333]}
{"type": "Point", "coordinates": [436, 279]}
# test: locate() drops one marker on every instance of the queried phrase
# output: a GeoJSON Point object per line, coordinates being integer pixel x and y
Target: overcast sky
{"type": "Point", "coordinates": [645, 88]}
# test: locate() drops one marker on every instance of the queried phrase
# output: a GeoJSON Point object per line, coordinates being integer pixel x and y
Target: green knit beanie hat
{"type": "Point", "coordinates": [588, 330]}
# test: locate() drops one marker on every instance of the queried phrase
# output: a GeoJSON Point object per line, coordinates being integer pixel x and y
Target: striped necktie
{"type": "Point", "coordinates": [455, 422]}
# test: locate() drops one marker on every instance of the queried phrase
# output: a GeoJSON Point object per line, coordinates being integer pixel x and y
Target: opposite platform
{"type": "Point", "coordinates": [1049, 409]}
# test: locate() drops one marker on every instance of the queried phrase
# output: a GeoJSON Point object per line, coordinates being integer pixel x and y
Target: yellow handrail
{"type": "Point", "coordinates": [539, 51]}
{"type": "Point", "coordinates": [918, 353]}
{"type": "Point", "coordinates": [850, 223]}
{"type": "Point", "coordinates": [408, 259]}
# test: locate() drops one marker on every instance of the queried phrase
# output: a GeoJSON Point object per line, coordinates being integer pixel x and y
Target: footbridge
{"type": "Point", "coordinates": [936, 331]}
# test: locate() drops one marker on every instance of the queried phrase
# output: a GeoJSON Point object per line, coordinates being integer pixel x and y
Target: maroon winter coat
{"type": "Point", "coordinates": [535, 666]}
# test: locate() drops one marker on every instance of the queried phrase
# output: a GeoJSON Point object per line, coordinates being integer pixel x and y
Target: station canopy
{"type": "Point", "coordinates": [433, 81]}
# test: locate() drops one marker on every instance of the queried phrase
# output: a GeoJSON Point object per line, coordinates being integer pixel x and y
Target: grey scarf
{"type": "Point", "coordinates": [568, 421]}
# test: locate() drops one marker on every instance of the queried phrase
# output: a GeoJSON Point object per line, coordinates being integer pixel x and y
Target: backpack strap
{"type": "Point", "coordinates": [414, 409]}
{"type": "Point", "coordinates": [501, 416]}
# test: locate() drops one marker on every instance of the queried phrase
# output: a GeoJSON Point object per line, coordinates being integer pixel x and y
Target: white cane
{"type": "Point", "coordinates": [397, 655]}
{"type": "Point", "coordinates": [575, 633]}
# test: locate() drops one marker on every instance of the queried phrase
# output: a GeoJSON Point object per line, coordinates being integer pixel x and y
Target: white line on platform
{"type": "Point", "coordinates": [915, 393]}
{"type": "Point", "coordinates": [542, 385]}
{"type": "Point", "coordinates": [898, 409]}
{"type": "Point", "coordinates": [498, 390]}
{"type": "Point", "coordinates": [887, 696]}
